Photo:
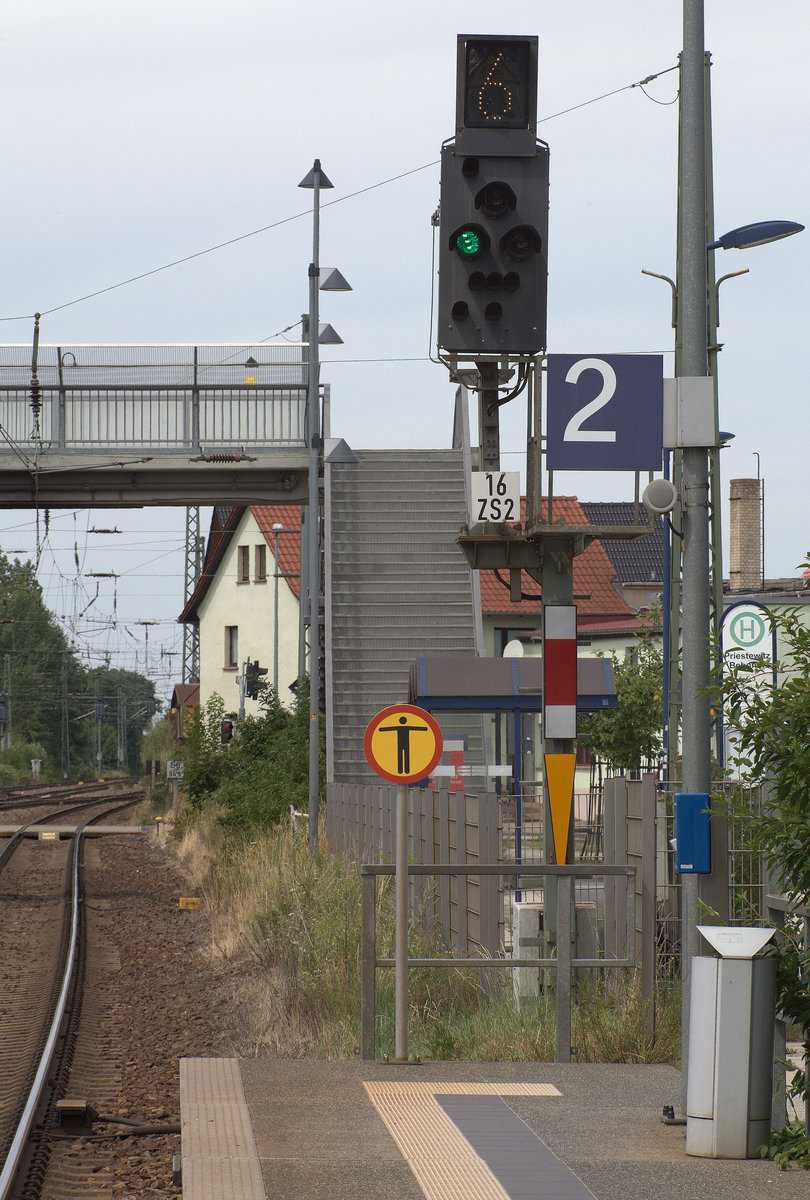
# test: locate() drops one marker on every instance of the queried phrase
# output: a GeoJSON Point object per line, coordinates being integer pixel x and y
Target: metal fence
{"type": "Point", "coordinates": [94, 398]}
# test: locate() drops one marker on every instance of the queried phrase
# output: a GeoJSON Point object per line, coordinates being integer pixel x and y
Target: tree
{"type": "Point", "coordinates": [628, 736]}
{"type": "Point", "coordinates": [38, 667]}
{"type": "Point", "coordinates": [268, 765]}
{"type": "Point", "coordinates": [50, 697]}
{"type": "Point", "coordinates": [769, 724]}
{"type": "Point", "coordinates": [126, 716]}
{"type": "Point", "coordinates": [262, 771]}
{"type": "Point", "coordinates": [204, 756]}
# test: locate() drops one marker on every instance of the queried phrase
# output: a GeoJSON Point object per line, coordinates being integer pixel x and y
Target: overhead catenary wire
{"type": "Point", "coordinates": [308, 212]}
{"type": "Point", "coordinates": [81, 593]}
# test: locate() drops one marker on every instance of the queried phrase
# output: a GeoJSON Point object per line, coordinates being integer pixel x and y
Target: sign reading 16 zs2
{"type": "Point", "coordinates": [605, 412]}
{"type": "Point", "coordinates": [495, 496]}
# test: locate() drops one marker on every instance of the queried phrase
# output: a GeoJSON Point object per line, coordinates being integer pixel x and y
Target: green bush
{"type": "Point", "coordinates": [15, 763]}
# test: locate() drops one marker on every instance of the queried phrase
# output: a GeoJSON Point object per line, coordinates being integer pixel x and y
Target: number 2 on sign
{"type": "Point", "coordinates": [573, 430]}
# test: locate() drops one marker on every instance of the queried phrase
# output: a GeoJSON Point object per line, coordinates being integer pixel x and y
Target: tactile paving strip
{"type": "Point", "coordinates": [219, 1156]}
{"type": "Point", "coordinates": [459, 1145]}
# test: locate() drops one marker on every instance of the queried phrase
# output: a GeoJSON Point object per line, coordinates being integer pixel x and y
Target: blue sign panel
{"type": "Point", "coordinates": [605, 412]}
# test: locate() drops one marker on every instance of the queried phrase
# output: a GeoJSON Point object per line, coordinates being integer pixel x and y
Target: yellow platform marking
{"type": "Point", "coordinates": [443, 1162]}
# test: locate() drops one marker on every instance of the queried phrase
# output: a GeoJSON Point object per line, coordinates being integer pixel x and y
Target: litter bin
{"type": "Point", "coordinates": [731, 1024]}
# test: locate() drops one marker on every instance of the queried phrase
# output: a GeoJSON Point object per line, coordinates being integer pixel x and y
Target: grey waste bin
{"type": "Point", "coordinates": [731, 1023]}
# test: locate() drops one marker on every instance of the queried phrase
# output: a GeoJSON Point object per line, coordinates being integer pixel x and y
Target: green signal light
{"type": "Point", "coordinates": [468, 242]}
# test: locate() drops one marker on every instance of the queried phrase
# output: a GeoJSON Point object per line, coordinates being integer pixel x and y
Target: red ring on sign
{"type": "Point", "coordinates": [401, 710]}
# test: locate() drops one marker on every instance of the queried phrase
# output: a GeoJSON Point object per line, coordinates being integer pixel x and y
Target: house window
{"type": "Point", "coordinates": [260, 563]}
{"type": "Point", "coordinates": [231, 647]}
{"type": "Point", "coordinates": [243, 565]}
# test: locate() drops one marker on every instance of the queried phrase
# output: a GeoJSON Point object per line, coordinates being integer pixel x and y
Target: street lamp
{"type": "Point", "coordinates": [332, 281]}
{"type": "Point", "coordinates": [746, 236]}
{"type": "Point", "coordinates": [277, 529]}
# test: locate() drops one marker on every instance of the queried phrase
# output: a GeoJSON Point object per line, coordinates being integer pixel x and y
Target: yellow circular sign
{"type": "Point", "coordinates": [403, 743]}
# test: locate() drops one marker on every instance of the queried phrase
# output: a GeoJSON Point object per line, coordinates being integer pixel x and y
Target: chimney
{"type": "Point", "coordinates": [745, 535]}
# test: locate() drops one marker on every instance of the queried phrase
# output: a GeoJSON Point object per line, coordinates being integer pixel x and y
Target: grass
{"type": "Point", "coordinates": [291, 918]}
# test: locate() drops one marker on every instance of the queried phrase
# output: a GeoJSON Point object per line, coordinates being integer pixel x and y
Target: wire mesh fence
{"type": "Point", "coordinates": [523, 841]}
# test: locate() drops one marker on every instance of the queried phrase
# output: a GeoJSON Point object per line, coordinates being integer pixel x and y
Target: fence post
{"type": "Point", "coordinates": [368, 959]}
{"type": "Point", "coordinates": [565, 892]}
{"type": "Point", "coordinates": [647, 908]}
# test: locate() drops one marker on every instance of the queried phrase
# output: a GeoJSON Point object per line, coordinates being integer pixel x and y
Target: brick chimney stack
{"type": "Point", "coordinates": [745, 535]}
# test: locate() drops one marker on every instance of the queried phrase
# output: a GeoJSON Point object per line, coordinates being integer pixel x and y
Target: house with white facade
{"type": "Point", "coordinates": [246, 601]}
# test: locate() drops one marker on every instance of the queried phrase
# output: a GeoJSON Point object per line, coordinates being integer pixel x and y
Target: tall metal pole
{"type": "Point", "coordinates": [276, 529]}
{"type": "Point", "coordinates": [313, 543]}
{"type": "Point", "coordinates": [692, 296]}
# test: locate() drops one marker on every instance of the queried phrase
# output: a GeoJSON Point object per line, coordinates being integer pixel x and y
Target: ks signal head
{"type": "Point", "coordinates": [492, 261]}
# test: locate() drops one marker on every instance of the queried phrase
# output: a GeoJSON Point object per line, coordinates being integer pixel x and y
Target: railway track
{"type": "Point", "coordinates": [42, 961]}
{"type": "Point", "coordinates": [33, 795]}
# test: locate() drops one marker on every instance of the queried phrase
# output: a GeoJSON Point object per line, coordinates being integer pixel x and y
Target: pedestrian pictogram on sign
{"type": "Point", "coordinates": [403, 743]}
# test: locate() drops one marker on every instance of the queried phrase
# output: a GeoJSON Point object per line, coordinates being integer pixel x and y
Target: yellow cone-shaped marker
{"type": "Point", "coordinates": [560, 769]}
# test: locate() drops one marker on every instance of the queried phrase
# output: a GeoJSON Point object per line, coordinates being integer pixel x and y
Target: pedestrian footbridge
{"type": "Point", "coordinates": [116, 426]}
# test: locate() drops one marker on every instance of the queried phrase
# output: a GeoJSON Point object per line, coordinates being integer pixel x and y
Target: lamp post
{"type": "Point", "coordinates": [277, 528]}
{"type": "Point", "coordinates": [693, 365]}
{"type": "Point", "coordinates": [277, 574]}
{"type": "Point", "coordinates": [333, 281]}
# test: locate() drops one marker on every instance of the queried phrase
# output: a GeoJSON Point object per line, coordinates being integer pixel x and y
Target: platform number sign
{"type": "Point", "coordinates": [605, 412]}
{"type": "Point", "coordinates": [495, 496]}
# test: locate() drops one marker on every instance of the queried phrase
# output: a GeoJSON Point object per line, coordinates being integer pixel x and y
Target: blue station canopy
{"type": "Point", "coordinates": [496, 684]}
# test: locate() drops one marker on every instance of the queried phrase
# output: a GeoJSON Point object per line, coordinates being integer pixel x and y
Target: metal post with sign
{"type": "Point", "coordinates": [403, 744]}
{"type": "Point", "coordinates": [175, 770]}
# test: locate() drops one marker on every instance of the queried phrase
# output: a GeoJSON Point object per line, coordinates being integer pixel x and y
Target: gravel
{"type": "Point", "coordinates": [156, 996]}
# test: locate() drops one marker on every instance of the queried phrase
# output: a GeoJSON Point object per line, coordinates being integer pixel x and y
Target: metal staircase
{"type": "Point", "coordinates": [396, 586]}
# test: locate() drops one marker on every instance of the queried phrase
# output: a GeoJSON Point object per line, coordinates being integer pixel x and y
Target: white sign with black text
{"type": "Point", "coordinates": [494, 496]}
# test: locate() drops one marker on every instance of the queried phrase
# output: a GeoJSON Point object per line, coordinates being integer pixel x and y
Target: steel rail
{"type": "Point", "coordinates": [16, 838]}
{"type": "Point", "coordinates": [11, 1167]}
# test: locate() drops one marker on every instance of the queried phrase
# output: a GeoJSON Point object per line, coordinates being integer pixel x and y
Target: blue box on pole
{"type": "Point", "coordinates": [692, 833]}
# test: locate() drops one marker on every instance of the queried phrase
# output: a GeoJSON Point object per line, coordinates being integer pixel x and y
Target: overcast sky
{"type": "Point", "coordinates": [139, 135]}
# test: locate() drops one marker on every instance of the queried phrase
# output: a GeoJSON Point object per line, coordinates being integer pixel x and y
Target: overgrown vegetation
{"type": "Point", "coordinates": [296, 915]}
{"type": "Point", "coordinates": [257, 776]}
{"type": "Point", "coordinates": [769, 726]}
{"type": "Point", "coordinates": [15, 762]}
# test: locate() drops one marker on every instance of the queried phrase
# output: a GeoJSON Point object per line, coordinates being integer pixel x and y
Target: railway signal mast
{"type": "Point", "coordinates": [491, 334]}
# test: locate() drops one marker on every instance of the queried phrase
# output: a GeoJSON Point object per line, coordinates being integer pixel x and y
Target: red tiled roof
{"type": "Point", "coordinates": [593, 576]}
{"type": "Point", "coordinates": [224, 523]}
{"type": "Point", "coordinates": [289, 543]}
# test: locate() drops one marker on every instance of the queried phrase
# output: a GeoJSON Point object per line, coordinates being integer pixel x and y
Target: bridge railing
{"type": "Point", "coordinates": [82, 399]}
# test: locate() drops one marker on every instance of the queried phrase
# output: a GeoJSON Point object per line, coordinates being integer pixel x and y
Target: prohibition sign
{"type": "Point", "coordinates": [403, 743]}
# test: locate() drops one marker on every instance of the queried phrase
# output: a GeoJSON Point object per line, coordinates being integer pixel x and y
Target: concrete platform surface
{"type": "Point", "coordinates": [307, 1129]}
